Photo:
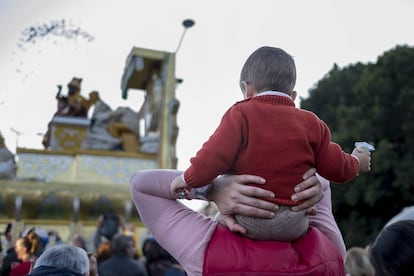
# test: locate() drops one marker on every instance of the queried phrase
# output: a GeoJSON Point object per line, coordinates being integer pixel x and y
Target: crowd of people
{"type": "Point", "coordinates": [38, 252]}
{"type": "Point", "coordinates": [391, 253]}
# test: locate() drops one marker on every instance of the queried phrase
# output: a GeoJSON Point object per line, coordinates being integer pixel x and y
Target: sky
{"type": "Point", "coordinates": [316, 33]}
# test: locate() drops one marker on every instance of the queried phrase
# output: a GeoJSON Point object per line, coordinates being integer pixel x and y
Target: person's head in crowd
{"type": "Point", "coordinates": [357, 262]}
{"type": "Point", "coordinates": [159, 261]}
{"type": "Point", "coordinates": [24, 248]}
{"type": "Point", "coordinates": [122, 244]}
{"type": "Point", "coordinates": [79, 241]}
{"type": "Point", "coordinates": [108, 226]}
{"type": "Point", "coordinates": [153, 251]}
{"type": "Point", "coordinates": [38, 239]}
{"type": "Point", "coordinates": [38, 236]}
{"type": "Point", "coordinates": [62, 260]}
{"type": "Point", "coordinates": [392, 252]}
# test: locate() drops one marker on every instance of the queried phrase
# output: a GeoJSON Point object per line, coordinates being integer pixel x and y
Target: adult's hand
{"type": "Point", "coordinates": [309, 190]}
{"type": "Point", "coordinates": [233, 196]}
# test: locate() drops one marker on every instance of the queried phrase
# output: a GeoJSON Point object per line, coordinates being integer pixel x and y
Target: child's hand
{"type": "Point", "coordinates": [178, 185]}
{"type": "Point", "coordinates": [364, 159]}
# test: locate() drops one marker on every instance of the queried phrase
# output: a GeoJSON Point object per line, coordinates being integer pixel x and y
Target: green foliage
{"type": "Point", "coordinates": [371, 102]}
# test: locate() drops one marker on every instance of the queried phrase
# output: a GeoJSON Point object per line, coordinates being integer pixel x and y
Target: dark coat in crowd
{"type": "Point", "coordinates": [120, 265]}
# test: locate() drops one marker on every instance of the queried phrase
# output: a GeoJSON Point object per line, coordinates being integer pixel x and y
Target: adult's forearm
{"type": "Point", "coordinates": [153, 182]}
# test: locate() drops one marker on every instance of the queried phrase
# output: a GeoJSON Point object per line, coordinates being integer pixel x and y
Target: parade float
{"type": "Point", "coordinates": [84, 169]}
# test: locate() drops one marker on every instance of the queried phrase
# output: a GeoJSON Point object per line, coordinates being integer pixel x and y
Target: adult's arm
{"type": "Point", "coordinates": [182, 231]}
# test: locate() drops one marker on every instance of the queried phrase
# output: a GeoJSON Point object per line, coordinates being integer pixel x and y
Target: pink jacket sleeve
{"type": "Point", "coordinates": [325, 221]}
{"type": "Point", "coordinates": [183, 232]}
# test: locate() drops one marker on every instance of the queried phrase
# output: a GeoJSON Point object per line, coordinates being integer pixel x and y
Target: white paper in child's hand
{"type": "Point", "coordinates": [364, 146]}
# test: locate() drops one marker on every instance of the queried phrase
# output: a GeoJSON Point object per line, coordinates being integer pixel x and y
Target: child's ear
{"type": "Point", "coordinates": [250, 92]}
{"type": "Point", "coordinates": [293, 95]}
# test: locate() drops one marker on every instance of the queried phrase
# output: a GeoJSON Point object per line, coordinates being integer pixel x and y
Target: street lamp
{"type": "Point", "coordinates": [187, 23]}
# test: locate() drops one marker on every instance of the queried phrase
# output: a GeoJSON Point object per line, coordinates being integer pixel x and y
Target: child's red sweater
{"type": "Point", "coordinates": [267, 136]}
